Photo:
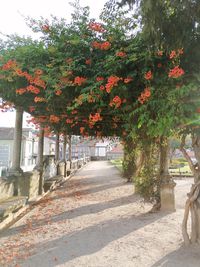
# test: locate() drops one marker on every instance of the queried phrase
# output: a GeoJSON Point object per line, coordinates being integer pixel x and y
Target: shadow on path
{"type": "Point", "coordinates": [88, 240]}
{"type": "Point", "coordinates": [182, 257]}
{"type": "Point", "coordinates": [74, 213]}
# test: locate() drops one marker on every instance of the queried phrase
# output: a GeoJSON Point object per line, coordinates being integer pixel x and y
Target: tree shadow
{"type": "Point", "coordinates": [77, 212]}
{"type": "Point", "coordinates": [184, 256]}
{"type": "Point", "coordinates": [92, 190]}
{"type": "Point", "coordinates": [88, 240]}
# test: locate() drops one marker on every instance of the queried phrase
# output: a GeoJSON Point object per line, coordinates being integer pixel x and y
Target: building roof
{"type": "Point", "coordinates": [117, 149]}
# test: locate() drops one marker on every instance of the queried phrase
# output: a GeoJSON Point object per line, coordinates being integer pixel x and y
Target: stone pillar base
{"type": "Point", "coordinates": [167, 196]}
{"type": "Point", "coordinates": [61, 168]}
{"type": "Point", "coordinates": [30, 184]}
{"type": "Point", "coordinates": [15, 172]}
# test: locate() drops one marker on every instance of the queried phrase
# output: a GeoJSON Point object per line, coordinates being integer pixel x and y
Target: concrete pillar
{"type": "Point", "coordinates": [64, 148]}
{"type": "Point", "coordinates": [70, 150]}
{"type": "Point", "coordinates": [38, 170]}
{"type": "Point", "coordinates": [39, 162]}
{"type": "Point", "coordinates": [167, 184]}
{"type": "Point", "coordinates": [57, 148]}
{"type": "Point", "coordinates": [167, 196]}
{"type": "Point", "coordinates": [16, 159]}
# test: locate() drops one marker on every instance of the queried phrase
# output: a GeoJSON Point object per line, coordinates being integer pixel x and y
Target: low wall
{"type": "Point", "coordinates": [29, 184]}
{"type": "Point", "coordinates": [6, 188]}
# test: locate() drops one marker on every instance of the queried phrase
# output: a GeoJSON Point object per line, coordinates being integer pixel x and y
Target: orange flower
{"type": "Point", "coordinates": [144, 95]}
{"type": "Point", "coordinates": [38, 72]}
{"type": "Point", "coordinates": [99, 79]}
{"type": "Point", "coordinates": [96, 45]}
{"type": "Point", "coordinates": [102, 87]}
{"type": "Point", "coordinates": [121, 54]}
{"type": "Point", "coordinates": [79, 80]}
{"type": "Point", "coordinates": [176, 72]}
{"type": "Point", "coordinates": [69, 60]}
{"type": "Point", "coordinates": [128, 80]}
{"type": "Point", "coordinates": [58, 92]}
{"type": "Point", "coordinates": [160, 53]}
{"type": "Point", "coordinates": [180, 51]}
{"type": "Point", "coordinates": [69, 121]}
{"type": "Point", "coordinates": [45, 28]}
{"type": "Point", "coordinates": [54, 119]}
{"type": "Point", "coordinates": [82, 129]}
{"type": "Point", "coordinates": [172, 54]}
{"type": "Point", "coordinates": [33, 89]}
{"type": "Point", "coordinates": [94, 118]}
{"type": "Point", "coordinates": [9, 65]}
{"type": "Point", "coordinates": [19, 72]}
{"type": "Point", "coordinates": [96, 27]}
{"type": "Point", "coordinates": [105, 45]}
{"type": "Point", "coordinates": [116, 102]}
{"type": "Point", "coordinates": [148, 75]}
{"type": "Point", "coordinates": [88, 61]}
{"type": "Point", "coordinates": [21, 91]}
{"type": "Point", "coordinates": [39, 99]}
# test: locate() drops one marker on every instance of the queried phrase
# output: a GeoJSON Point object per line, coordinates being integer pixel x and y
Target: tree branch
{"type": "Point", "coordinates": [185, 154]}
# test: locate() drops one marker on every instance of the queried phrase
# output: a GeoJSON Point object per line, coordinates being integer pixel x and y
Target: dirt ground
{"type": "Point", "coordinates": [95, 220]}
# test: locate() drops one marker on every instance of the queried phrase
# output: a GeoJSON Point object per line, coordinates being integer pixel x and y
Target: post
{"type": "Point", "coordinates": [39, 163]}
{"type": "Point", "coordinates": [167, 184]}
{"type": "Point", "coordinates": [64, 148]}
{"type": "Point", "coordinates": [15, 167]}
{"type": "Point", "coordinates": [62, 165]}
{"type": "Point", "coordinates": [70, 150]}
{"type": "Point", "coordinates": [57, 148]}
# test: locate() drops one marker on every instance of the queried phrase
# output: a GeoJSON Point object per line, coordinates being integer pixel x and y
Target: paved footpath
{"type": "Point", "coordinates": [95, 220]}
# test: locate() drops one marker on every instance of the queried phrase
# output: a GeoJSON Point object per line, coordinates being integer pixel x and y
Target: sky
{"type": "Point", "coordinates": [12, 21]}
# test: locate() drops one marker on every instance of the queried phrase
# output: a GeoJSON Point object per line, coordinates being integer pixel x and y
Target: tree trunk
{"type": "Point", "coordinates": [129, 161]}
{"type": "Point", "coordinates": [164, 160]}
{"type": "Point", "coordinates": [193, 202]}
{"type": "Point", "coordinates": [139, 163]}
{"type": "Point", "coordinates": [192, 205]}
{"type": "Point", "coordinates": [196, 147]}
{"type": "Point", "coordinates": [16, 159]}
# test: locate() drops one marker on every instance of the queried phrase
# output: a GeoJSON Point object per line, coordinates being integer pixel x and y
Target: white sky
{"type": "Point", "coordinates": [12, 22]}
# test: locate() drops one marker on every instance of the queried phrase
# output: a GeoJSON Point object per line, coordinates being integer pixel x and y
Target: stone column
{"type": "Point", "coordinates": [62, 163]}
{"type": "Point", "coordinates": [57, 148]}
{"type": "Point", "coordinates": [70, 150]}
{"type": "Point", "coordinates": [64, 148]}
{"type": "Point", "coordinates": [167, 184]}
{"type": "Point", "coordinates": [38, 170]}
{"type": "Point", "coordinates": [16, 159]}
{"type": "Point", "coordinates": [39, 162]}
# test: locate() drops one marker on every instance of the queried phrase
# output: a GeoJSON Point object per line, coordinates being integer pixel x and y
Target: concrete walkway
{"type": "Point", "coordinates": [95, 220]}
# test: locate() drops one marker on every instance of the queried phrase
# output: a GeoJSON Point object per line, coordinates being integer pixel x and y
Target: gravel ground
{"type": "Point", "coordinates": [95, 220]}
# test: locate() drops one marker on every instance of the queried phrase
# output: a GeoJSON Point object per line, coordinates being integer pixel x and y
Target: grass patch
{"type": "Point", "coordinates": [117, 163]}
